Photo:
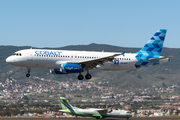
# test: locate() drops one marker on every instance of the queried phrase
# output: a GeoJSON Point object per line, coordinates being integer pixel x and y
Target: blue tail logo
{"type": "Point", "coordinates": [152, 48]}
{"type": "Point", "coordinates": [154, 45]}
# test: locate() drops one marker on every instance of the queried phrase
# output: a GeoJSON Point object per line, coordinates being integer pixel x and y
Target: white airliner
{"type": "Point", "coordinates": [66, 62]}
{"type": "Point", "coordinates": [92, 112]}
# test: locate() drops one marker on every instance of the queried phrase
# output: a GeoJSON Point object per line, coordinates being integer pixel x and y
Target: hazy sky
{"type": "Point", "coordinates": [57, 23]}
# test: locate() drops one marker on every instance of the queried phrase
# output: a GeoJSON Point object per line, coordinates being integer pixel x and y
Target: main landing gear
{"type": "Point", "coordinates": [80, 77]}
{"type": "Point", "coordinates": [28, 74]}
{"type": "Point", "coordinates": [88, 76]}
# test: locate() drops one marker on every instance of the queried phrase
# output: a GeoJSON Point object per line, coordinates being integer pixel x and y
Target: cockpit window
{"type": "Point", "coordinates": [17, 54]}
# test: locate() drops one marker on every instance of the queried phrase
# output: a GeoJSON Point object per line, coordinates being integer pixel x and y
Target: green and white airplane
{"type": "Point", "coordinates": [92, 112]}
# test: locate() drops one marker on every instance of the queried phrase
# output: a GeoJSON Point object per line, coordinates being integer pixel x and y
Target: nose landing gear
{"type": "Point", "coordinates": [28, 74]}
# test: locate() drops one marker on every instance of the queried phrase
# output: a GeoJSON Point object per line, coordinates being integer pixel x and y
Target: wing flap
{"type": "Point", "coordinates": [93, 62]}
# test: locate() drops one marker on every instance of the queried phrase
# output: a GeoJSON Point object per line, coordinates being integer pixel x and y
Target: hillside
{"type": "Point", "coordinates": [146, 76]}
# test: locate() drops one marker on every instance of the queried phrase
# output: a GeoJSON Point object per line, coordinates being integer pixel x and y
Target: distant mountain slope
{"type": "Point", "coordinates": [147, 76]}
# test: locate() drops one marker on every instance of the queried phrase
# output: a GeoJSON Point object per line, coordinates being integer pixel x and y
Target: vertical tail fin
{"type": "Point", "coordinates": [65, 105]}
{"type": "Point", "coordinates": [154, 46]}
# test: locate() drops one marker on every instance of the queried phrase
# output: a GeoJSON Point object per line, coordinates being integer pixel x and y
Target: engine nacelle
{"type": "Point", "coordinates": [66, 68]}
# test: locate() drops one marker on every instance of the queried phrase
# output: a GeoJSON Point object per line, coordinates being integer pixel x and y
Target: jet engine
{"type": "Point", "coordinates": [66, 68]}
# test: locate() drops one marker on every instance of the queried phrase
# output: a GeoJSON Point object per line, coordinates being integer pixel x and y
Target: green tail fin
{"type": "Point", "coordinates": [65, 105]}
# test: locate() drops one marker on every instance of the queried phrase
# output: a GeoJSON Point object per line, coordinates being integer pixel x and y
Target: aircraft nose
{"type": "Point", "coordinates": [9, 60]}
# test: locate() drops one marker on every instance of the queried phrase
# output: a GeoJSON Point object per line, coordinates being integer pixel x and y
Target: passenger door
{"type": "Point", "coordinates": [30, 55]}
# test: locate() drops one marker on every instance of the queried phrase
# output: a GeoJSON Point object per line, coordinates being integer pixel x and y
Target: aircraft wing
{"type": "Point", "coordinates": [94, 62]}
{"type": "Point", "coordinates": [102, 111]}
{"type": "Point", "coordinates": [156, 59]}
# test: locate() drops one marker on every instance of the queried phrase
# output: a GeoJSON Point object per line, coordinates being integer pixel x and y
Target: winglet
{"type": "Point", "coordinates": [123, 53]}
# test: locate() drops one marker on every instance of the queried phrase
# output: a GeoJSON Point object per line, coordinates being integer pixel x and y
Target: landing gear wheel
{"type": "Point", "coordinates": [80, 77]}
{"type": "Point", "coordinates": [27, 75]}
{"type": "Point", "coordinates": [28, 72]}
{"type": "Point", "coordinates": [88, 76]}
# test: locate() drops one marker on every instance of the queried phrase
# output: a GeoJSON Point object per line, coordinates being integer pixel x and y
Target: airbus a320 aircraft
{"type": "Point", "coordinates": [66, 62]}
{"type": "Point", "coordinates": [92, 112]}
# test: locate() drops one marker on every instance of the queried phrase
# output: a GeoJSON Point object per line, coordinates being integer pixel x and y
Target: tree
{"type": "Point", "coordinates": [164, 85]}
{"type": "Point", "coordinates": [25, 98]}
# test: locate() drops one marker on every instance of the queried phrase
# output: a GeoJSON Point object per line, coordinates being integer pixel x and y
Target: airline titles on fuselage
{"type": "Point", "coordinates": [47, 52]}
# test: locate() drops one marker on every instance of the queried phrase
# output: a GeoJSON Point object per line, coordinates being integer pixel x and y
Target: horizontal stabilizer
{"type": "Point", "coordinates": [160, 58]}
{"type": "Point", "coordinates": [64, 111]}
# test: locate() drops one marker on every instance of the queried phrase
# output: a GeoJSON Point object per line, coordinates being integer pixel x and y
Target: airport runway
{"type": "Point", "coordinates": [133, 118]}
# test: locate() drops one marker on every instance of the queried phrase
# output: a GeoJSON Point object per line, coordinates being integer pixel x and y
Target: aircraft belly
{"type": "Point", "coordinates": [86, 112]}
{"type": "Point", "coordinates": [45, 64]}
{"type": "Point", "coordinates": [27, 64]}
{"type": "Point", "coordinates": [110, 66]}
{"type": "Point", "coordinates": [117, 115]}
